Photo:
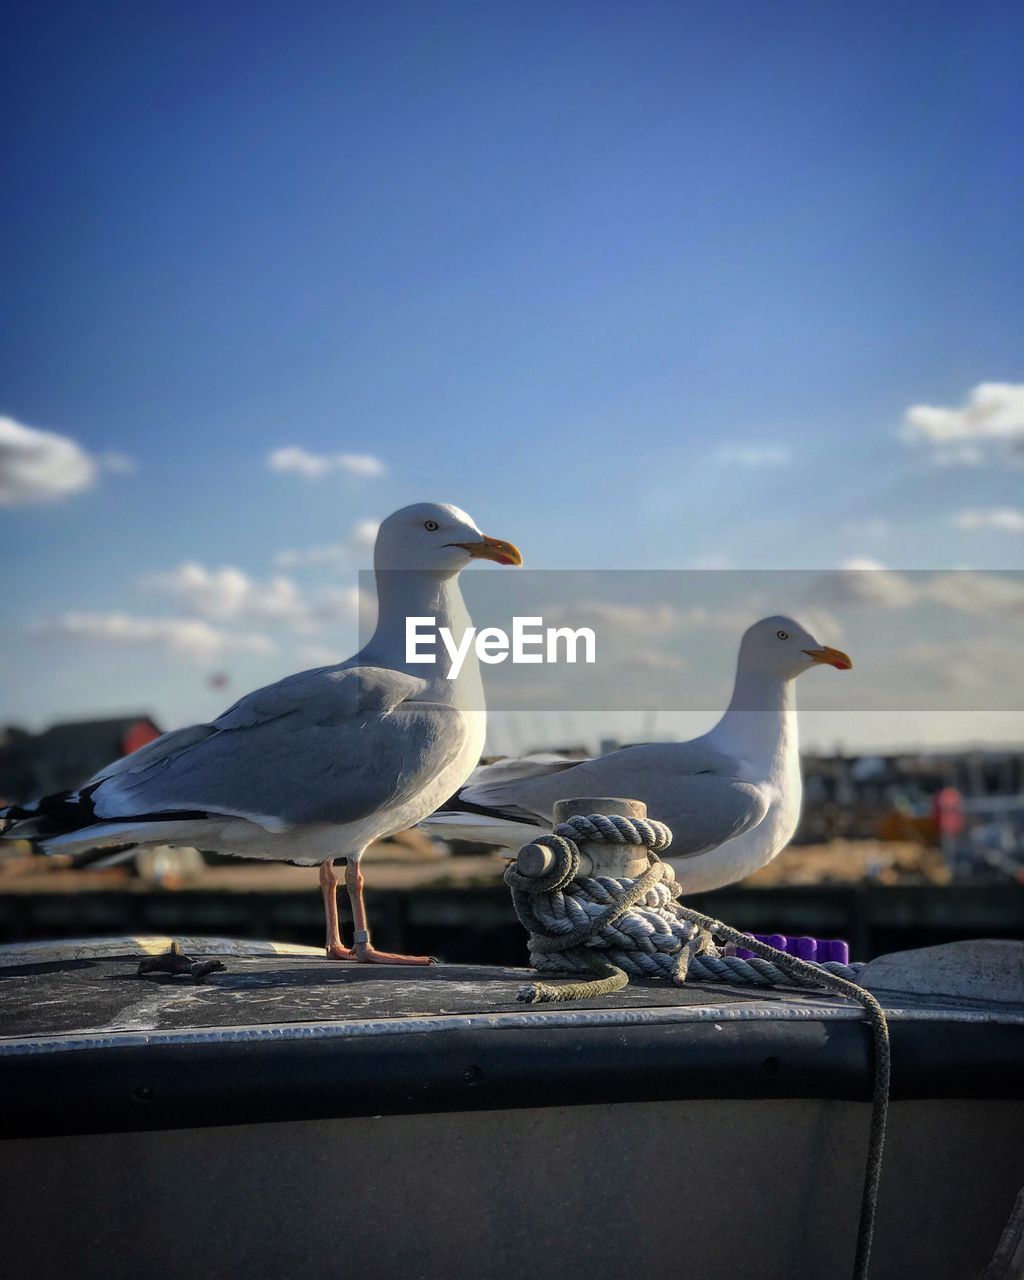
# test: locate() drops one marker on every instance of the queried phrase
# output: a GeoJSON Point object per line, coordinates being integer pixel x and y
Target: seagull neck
{"type": "Point", "coordinates": [408, 593]}
{"type": "Point", "coordinates": [416, 593]}
{"type": "Point", "coordinates": [760, 722]}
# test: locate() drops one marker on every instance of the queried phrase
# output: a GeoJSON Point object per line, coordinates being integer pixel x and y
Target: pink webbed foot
{"type": "Point", "coordinates": [364, 953]}
{"type": "Point", "coordinates": [338, 952]}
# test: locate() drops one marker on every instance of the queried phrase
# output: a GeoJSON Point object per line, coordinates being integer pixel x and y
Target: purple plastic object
{"type": "Point", "coordinates": [820, 950]}
{"type": "Point", "coordinates": [838, 951]}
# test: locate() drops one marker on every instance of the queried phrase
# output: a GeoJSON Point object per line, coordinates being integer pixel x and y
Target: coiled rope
{"type": "Point", "coordinates": [590, 925]}
{"type": "Point", "coordinates": [613, 928]}
{"type": "Point", "coordinates": [638, 926]}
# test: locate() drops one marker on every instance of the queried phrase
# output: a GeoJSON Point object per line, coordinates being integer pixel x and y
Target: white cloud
{"type": "Point", "coordinates": [991, 421]}
{"type": "Point", "coordinates": [1004, 519]}
{"type": "Point", "coordinates": [862, 580]}
{"type": "Point", "coordinates": [41, 466]}
{"type": "Point", "coordinates": [190, 638]}
{"type": "Point", "coordinates": [228, 593]}
{"type": "Point", "coordinates": [733, 619]}
{"type": "Point", "coordinates": [981, 595]}
{"type": "Point", "coordinates": [214, 593]}
{"type": "Point", "coordinates": [753, 455]}
{"type": "Point", "coordinates": [357, 546]}
{"type": "Point", "coordinates": [44, 466]}
{"type": "Point", "coordinates": [821, 623]}
{"type": "Point", "coordinates": [621, 619]}
{"type": "Point", "coordinates": [650, 623]}
{"type": "Point", "coordinates": [648, 659]}
{"type": "Point", "coordinates": [118, 464]}
{"type": "Point", "coordinates": [295, 460]}
{"type": "Point", "coordinates": [334, 604]}
{"type": "Point", "coordinates": [863, 564]}
{"type": "Point", "coordinates": [957, 455]}
{"type": "Point", "coordinates": [639, 623]}
{"type": "Point", "coordinates": [209, 596]}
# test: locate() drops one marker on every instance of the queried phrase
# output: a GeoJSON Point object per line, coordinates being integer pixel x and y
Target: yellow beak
{"type": "Point", "coordinates": [492, 549]}
{"type": "Point", "coordinates": [830, 657]}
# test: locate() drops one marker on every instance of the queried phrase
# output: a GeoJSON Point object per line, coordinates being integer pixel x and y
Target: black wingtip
{"type": "Point", "coordinates": [456, 805]}
{"type": "Point", "coordinates": [53, 815]}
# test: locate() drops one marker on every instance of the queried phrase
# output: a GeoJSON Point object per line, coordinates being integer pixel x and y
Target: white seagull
{"type": "Point", "coordinates": [731, 797]}
{"type": "Point", "coordinates": [316, 767]}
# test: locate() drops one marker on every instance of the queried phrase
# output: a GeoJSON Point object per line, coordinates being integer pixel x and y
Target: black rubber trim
{"type": "Point", "coordinates": [175, 1086]}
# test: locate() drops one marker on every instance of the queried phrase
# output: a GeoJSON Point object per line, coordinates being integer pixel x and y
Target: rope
{"type": "Point", "coordinates": [763, 973]}
{"type": "Point", "coordinates": [637, 926]}
{"type": "Point", "coordinates": [614, 928]}
{"type": "Point", "coordinates": [585, 925]}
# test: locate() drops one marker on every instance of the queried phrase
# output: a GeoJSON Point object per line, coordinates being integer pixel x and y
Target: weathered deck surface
{"type": "Point", "coordinates": [103, 996]}
{"type": "Point", "coordinates": [49, 991]}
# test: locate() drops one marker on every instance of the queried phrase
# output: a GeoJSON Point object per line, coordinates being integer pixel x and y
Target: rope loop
{"type": "Point", "coordinates": [567, 864]}
{"type": "Point", "coordinates": [615, 829]}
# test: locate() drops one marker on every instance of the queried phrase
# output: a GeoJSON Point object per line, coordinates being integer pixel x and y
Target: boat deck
{"type": "Point", "coordinates": [87, 1044]}
{"type": "Point", "coordinates": [233, 1126]}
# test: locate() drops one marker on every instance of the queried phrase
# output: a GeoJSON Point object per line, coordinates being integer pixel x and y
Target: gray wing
{"type": "Point", "coordinates": [332, 745]}
{"type": "Point", "coordinates": [336, 690]}
{"type": "Point", "coordinates": [690, 786]}
{"type": "Point", "coordinates": [704, 811]}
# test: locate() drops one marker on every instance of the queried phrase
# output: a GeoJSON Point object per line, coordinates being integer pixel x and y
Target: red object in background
{"type": "Point", "coordinates": [949, 811]}
{"type": "Point", "coordinates": [219, 680]}
{"type": "Point", "coordinates": [141, 732]}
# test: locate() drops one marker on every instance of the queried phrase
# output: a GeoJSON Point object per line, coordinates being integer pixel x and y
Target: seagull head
{"type": "Point", "coordinates": [437, 538]}
{"type": "Point", "coordinates": [782, 648]}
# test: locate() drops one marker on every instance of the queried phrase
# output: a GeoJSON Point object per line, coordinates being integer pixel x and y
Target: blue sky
{"type": "Point", "coordinates": [638, 285]}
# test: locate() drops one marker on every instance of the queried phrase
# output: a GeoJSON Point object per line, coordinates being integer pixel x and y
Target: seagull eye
{"type": "Point", "coordinates": [430, 525]}
{"type": "Point", "coordinates": [783, 635]}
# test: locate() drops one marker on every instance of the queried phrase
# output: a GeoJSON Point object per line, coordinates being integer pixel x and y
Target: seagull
{"type": "Point", "coordinates": [731, 797]}
{"type": "Point", "coordinates": [314, 768]}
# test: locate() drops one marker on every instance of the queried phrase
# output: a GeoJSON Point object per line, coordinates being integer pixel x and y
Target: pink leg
{"type": "Point", "coordinates": [329, 889]}
{"type": "Point", "coordinates": [362, 950]}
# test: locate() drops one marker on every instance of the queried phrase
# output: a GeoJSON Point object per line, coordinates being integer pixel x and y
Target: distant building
{"type": "Point", "coordinates": [65, 755]}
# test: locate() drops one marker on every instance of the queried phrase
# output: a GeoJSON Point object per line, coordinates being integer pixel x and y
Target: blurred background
{"type": "Point", "coordinates": [726, 289]}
